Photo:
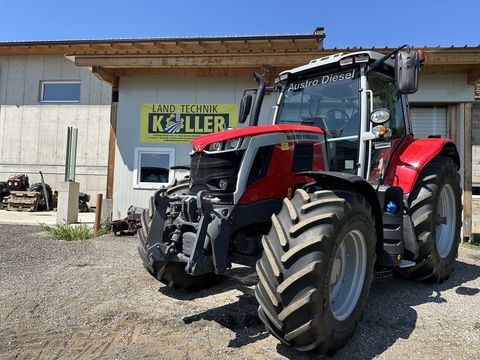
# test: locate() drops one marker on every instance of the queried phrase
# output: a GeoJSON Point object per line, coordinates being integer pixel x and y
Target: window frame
{"type": "Point", "coordinates": [42, 91]}
{"type": "Point", "coordinates": [137, 184]}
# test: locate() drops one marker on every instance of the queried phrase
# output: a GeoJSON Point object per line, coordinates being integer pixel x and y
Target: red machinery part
{"type": "Point", "coordinates": [279, 181]}
{"type": "Point", "coordinates": [413, 156]}
{"type": "Point", "coordinates": [201, 142]}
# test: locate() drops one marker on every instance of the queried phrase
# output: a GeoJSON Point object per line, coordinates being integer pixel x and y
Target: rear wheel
{"type": "Point", "coordinates": [42, 204]}
{"type": "Point", "coordinates": [173, 274]}
{"type": "Point", "coordinates": [316, 269]}
{"type": "Point", "coordinates": [435, 209]}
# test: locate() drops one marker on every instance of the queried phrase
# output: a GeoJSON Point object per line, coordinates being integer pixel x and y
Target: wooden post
{"type": "Point", "coordinates": [112, 143]}
{"type": "Point", "coordinates": [98, 213]}
{"type": "Point", "coordinates": [452, 122]}
{"type": "Point", "coordinates": [467, 174]}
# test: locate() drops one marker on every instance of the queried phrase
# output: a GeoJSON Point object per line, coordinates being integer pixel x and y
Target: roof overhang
{"type": "Point", "coordinates": [193, 56]}
{"type": "Point", "coordinates": [272, 60]}
{"type": "Point", "coordinates": [111, 59]}
{"type": "Point", "coordinates": [162, 46]}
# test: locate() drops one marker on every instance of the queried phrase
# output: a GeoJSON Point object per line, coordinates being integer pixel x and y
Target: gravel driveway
{"type": "Point", "coordinates": [93, 299]}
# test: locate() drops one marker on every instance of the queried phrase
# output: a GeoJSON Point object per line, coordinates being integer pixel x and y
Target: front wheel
{"type": "Point", "coordinates": [316, 269]}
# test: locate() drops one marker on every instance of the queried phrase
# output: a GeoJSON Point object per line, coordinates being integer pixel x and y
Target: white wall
{"type": "Point", "coordinates": [33, 135]}
{"type": "Point", "coordinates": [134, 91]}
{"type": "Point", "coordinates": [443, 88]}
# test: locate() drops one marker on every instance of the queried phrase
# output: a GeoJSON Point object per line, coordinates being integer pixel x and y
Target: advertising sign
{"type": "Point", "coordinates": [180, 123]}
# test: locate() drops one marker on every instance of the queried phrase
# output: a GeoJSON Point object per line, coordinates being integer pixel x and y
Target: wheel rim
{"type": "Point", "coordinates": [348, 274]}
{"type": "Point", "coordinates": [445, 221]}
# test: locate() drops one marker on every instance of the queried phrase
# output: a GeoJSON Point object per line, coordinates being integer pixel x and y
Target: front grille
{"type": "Point", "coordinates": [207, 170]}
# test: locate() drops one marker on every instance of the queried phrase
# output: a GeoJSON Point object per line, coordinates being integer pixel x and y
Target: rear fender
{"type": "Point", "coordinates": [336, 180]}
{"type": "Point", "coordinates": [415, 156]}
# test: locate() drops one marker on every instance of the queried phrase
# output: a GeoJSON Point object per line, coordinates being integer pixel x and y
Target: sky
{"type": "Point", "coordinates": [347, 23]}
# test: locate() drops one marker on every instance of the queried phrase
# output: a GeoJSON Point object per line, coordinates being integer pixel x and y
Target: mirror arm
{"type": "Point", "coordinates": [379, 62]}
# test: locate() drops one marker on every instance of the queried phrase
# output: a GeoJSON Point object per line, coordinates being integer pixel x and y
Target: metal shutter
{"type": "Point", "coordinates": [429, 121]}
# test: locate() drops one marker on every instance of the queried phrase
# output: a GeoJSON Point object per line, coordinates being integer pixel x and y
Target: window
{"type": "Point", "coordinates": [152, 167]}
{"type": "Point", "coordinates": [60, 91]}
{"type": "Point", "coordinates": [385, 95]}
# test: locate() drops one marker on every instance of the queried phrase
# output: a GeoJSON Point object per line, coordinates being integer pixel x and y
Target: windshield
{"type": "Point", "coordinates": [331, 102]}
{"type": "Point", "coordinates": [328, 101]}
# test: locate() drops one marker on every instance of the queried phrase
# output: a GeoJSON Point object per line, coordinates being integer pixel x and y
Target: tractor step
{"type": "Point", "coordinates": [406, 264]}
{"type": "Point", "coordinates": [384, 274]}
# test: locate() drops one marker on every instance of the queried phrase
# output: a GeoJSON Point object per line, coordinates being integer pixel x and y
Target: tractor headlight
{"type": "Point", "coordinates": [223, 184]}
{"type": "Point", "coordinates": [15, 183]}
{"type": "Point", "coordinates": [216, 146]}
{"type": "Point", "coordinates": [380, 116]}
{"type": "Point", "coordinates": [232, 144]}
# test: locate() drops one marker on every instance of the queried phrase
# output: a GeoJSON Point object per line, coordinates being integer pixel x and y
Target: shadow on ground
{"type": "Point", "coordinates": [389, 314]}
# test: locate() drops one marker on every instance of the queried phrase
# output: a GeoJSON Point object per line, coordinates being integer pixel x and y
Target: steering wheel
{"type": "Point", "coordinates": [319, 121]}
{"type": "Point", "coordinates": [333, 121]}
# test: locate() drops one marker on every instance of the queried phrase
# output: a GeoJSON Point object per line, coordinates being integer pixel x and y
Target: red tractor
{"type": "Point", "coordinates": [335, 191]}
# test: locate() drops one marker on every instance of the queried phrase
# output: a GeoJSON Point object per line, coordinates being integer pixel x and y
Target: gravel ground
{"type": "Point", "coordinates": [93, 299]}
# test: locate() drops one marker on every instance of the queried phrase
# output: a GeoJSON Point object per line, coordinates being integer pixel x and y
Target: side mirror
{"type": "Point", "coordinates": [245, 107]}
{"type": "Point", "coordinates": [407, 68]}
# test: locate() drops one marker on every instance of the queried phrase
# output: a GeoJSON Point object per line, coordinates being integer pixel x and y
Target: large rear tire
{"type": "Point", "coordinates": [42, 204]}
{"type": "Point", "coordinates": [435, 209]}
{"type": "Point", "coordinates": [173, 274]}
{"type": "Point", "coordinates": [316, 269]}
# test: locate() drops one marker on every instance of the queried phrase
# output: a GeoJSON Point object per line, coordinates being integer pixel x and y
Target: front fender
{"type": "Point", "coordinates": [415, 156]}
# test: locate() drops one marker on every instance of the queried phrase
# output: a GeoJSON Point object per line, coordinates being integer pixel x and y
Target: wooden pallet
{"type": "Point", "coordinates": [23, 201]}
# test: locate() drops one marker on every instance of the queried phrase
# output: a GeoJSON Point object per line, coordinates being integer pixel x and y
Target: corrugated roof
{"type": "Point", "coordinates": [162, 39]}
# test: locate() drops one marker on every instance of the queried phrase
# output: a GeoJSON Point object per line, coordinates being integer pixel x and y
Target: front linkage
{"type": "Point", "coordinates": [186, 229]}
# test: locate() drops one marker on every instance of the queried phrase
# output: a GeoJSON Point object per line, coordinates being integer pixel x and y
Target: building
{"type": "Point", "coordinates": [166, 72]}
{"type": "Point", "coordinates": [41, 94]}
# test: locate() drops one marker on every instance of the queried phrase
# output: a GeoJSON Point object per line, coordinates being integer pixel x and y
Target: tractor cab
{"type": "Point", "coordinates": [355, 99]}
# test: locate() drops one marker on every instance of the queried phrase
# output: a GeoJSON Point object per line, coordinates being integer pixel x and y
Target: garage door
{"type": "Point", "coordinates": [429, 121]}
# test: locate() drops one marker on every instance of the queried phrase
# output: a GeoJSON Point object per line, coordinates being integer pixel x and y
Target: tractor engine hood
{"type": "Point", "coordinates": [203, 141]}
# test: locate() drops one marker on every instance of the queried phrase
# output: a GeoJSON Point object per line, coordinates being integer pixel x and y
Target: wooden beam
{"type": "Point", "coordinates": [452, 56]}
{"type": "Point", "coordinates": [105, 75]}
{"type": "Point", "coordinates": [473, 76]}
{"type": "Point", "coordinates": [467, 174]}
{"type": "Point", "coordinates": [196, 60]}
{"type": "Point", "coordinates": [195, 72]}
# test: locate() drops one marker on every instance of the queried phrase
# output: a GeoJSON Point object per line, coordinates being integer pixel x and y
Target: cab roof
{"type": "Point", "coordinates": [335, 58]}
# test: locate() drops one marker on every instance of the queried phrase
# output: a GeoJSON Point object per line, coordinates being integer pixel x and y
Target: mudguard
{"type": "Point", "coordinates": [415, 156]}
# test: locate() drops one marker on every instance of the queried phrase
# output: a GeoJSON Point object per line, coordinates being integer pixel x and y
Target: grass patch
{"type": "Point", "coordinates": [74, 232]}
{"type": "Point", "coordinates": [474, 244]}
{"type": "Point", "coordinates": [68, 232]}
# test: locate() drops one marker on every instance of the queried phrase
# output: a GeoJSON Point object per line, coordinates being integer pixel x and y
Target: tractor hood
{"type": "Point", "coordinates": [201, 142]}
